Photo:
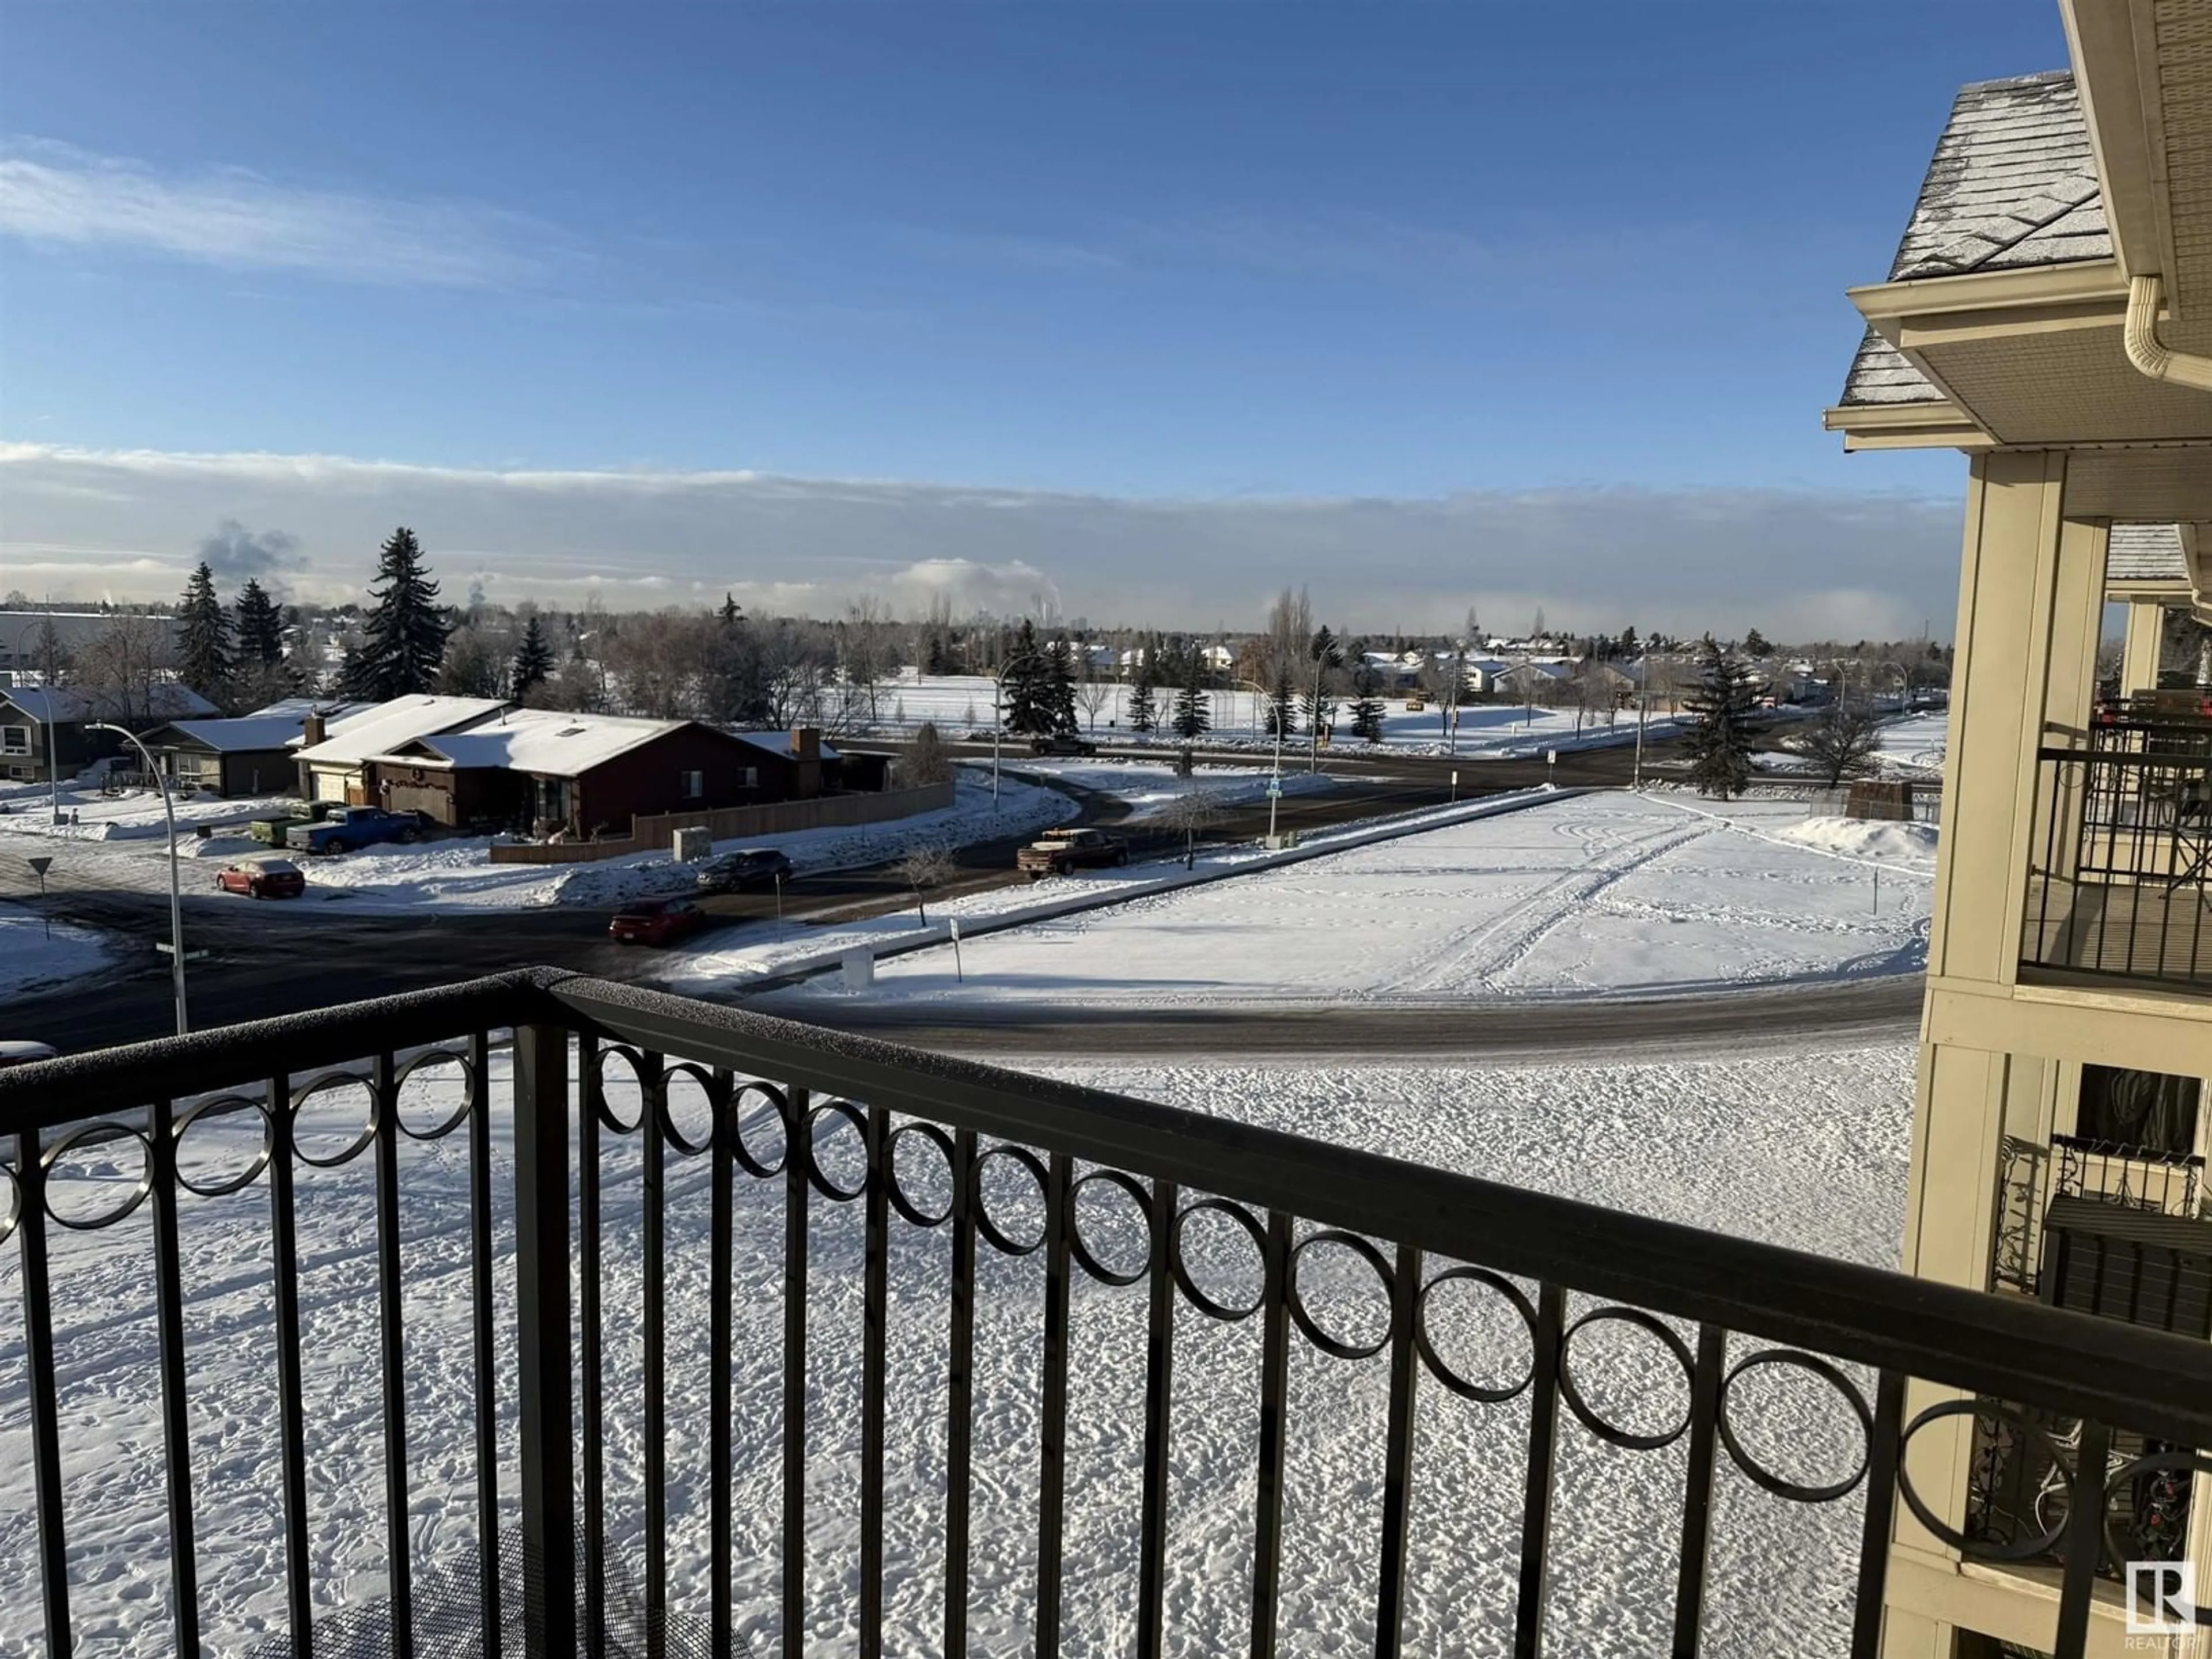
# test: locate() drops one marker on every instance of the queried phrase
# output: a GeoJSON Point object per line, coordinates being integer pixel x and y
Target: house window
{"type": "Point", "coordinates": [749, 777]}
{"type": "Point", "coordinates": [14, 739]}
{"type": "Point", "coordinates": [2151, 1110]}
{"type": "Point", "coordinates": [695, 784]}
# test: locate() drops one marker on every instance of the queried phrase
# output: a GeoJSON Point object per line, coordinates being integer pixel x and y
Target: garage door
{"type": "Point", "coordinates": [422, 798]}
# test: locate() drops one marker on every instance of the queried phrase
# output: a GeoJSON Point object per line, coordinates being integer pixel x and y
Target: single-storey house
{"type": "Point", "coordinates": [1537, 682]}
{"type": "Point", "coordinates": [333, 753]}
{"type": "Point", "coordinates": [252, 754]}
{"type": "Point", "coordinates": [28, 713]}
{"type": "Point", "coordinates": [589, 774]}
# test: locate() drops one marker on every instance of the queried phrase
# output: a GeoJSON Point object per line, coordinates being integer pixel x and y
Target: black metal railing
{"type": "Point", "coordinates": [922, 1146]}
{"type": "Point", "coordinates": [2032, 1174]}
{"type": "Point", "coordinates": [2121, 882]}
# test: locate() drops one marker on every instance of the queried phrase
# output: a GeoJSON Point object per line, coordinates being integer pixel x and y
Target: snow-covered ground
{"type": "Point", "coordinates": [458, 873]}
{"type": "Point", "coordinates": [1915, 746]}
{"type": "Point", "coordinates": [95, 816]}
{"type": "Point", "coordinates": [1150, 786]}
{"type": "Point", "coordinates": [960, 703]}
{"type": "Point", "coordinates": [1809, 1152]}
{"type": "Point", "coordinates": [1591, 894]}
{"type": "Point", "coordinates": [33, 953]}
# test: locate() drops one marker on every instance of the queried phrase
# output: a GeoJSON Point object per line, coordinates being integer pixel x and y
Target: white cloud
{"type": "Point", "coordinates": [57, 195]}
{"type": "Point", "coordinates": [1792, 562]}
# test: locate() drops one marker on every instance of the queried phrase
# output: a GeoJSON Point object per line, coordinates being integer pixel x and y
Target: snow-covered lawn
{"type": "Point", "coordinates": [31, 954]}
{"type": "Point", "coordinates": [132, 814]}
{"type": "Point", "coordinates": [1808, 1149]}
{"type": "Point", "coordinates": [1605, 893]}
{"type": "Point", "coordinates": [1150, 786]}
{"type": "Point", "coordinates": [1914, 746]}
{"type": "Point", "coordinates": [458, 872]}
{"type": "Point", "coordinates": [960, 703]}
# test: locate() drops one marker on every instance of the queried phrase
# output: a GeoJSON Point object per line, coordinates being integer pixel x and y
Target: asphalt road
{"type": "Point", "coordinates": [1563, 1032]}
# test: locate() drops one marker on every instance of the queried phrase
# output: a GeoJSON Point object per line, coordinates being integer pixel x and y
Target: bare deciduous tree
{"type": "Point", "coordinates": [1192, 812]}
{"type": "Point", "coordinates": [1840, 742]}
{"type": "Point", "coordinates": [926, 867]}
{"type": "Point", "coordinates": [124, 669]}
{"type": "Point", "coordinates": [1093, 692]}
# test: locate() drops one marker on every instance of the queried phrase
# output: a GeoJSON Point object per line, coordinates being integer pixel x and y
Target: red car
{"type": "Point", "coordinates": [656, 921]}
{"type": "Point", "coordinates": [262, 878]}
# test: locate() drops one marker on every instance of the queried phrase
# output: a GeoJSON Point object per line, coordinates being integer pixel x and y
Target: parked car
{"type": "Point", "coordinates": [732, 872]}
{"type": "Point", "coordinates": [655, 921]}
{"type": "Point", "coordinates": [1059, 851]}
{"type": "Point", "coordinates": [20, 1052]}
{"type": "Point", "coordinates": [351, 827]}
{"type": "Point", "coordinates": [263, 877]}
{"type": "Point", "coordinates": [273, 830]}
{"type": "Point", "coordinates": [1062, 742]}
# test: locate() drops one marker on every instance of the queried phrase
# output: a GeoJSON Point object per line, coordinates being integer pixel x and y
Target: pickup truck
{"type": "Point", "coordinates": [352, 827]}
{"type": "Point", "coordinates": [272, 831]}
{"type": "Point", "coordinates": [1059, 851]}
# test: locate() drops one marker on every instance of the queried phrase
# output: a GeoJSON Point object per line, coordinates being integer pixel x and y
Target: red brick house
{"type": "Point", "coordinates": [589, 775]}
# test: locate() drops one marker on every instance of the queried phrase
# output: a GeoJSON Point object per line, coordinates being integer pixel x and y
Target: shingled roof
{"type": "Point", "coordinates": [2013, 183]}
{"type": "Point", "coordinates": [2145, 553]}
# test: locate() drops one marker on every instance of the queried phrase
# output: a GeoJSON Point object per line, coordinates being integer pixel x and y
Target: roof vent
{"type": "Point", "coordinates": [571, 732]}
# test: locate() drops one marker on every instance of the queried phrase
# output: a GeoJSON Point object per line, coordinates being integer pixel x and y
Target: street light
{"type": "Point", "coordinates": [1275, 787]}
{"type": "Point", "coordinates": [176, 900]}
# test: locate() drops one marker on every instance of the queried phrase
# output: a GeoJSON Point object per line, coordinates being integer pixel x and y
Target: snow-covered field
{"type": "Point", "coordinates": [132, 814]}
{"type": "Point", "coordinates": [1596, 894]}
{"type": "Point", "coordinates": [1150, 786]}
{"type": "Point", "coordinates": [458, 873]}
{"type": "Point", "coordinates": [1810, 1150]}
{"type": "Point", "coordinates": [33, 954]}
{"type": "Point", "coordinates": [960, 703]}
{"type": "Point", "coordinates": [1914, 747]}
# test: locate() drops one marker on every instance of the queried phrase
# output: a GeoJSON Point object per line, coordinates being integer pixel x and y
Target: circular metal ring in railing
{"type": "Point", "coordinates": [1597, 1425]}
{"type": "Point", "coordinates": [905, 1205]}
{"type": "Point", "coordinates": [674, 1136]}
{"type": "Point", "coordinates": [1306, 1322]}
{"type": "Point", "coordinates": [1097, 1269]}
{"type": "Point", "coordinates": [330, 1083]}
{"type": "Point", "coordinates": [848, 1113]}
{"type": "Point", "coordinates": [1757, 1471]}
{"type": "Point", "coordinates": [223, 1106]}
{"type": "Point", "coordinates": [459, 1114]}
{"type": "Point", "coordinates": [780, 1107]}
{"type": "Point", "coordinates": [647, 1088]}
{"type": "Point", "coordinates": [2117, 1475]}
{"type": "Point", "coordinates": [1205, 1303]}
{"type": "Point", "coordinates": [1980, 1548]}
{"type": "Point", "coordinates": [1445, 1374]}
{"type": "Point", "coordinates": [1022, 1157]}
{"type": "Point", "coordinates": [96, 1135]}
{"type": "Point", "coordinates": [12, 1212]}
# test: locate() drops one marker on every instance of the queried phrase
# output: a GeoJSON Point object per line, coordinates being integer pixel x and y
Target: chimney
{"type": "Point", "coordinates": [312, 730]}
{"type": "Point", "coordinates": [805, 762]}
{"type": "Point", "coordinates": [806, 743]}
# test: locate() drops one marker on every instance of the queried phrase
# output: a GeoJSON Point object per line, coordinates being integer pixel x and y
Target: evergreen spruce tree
{"type": "Point", "coordinates": [1193, 720]}
{"type": "Point", "coordinates": [1281, 723]}
{"type": "Point", "coordinates": [1142, 716]}
{"type": "Point", "coordinates": [1366, 705]}
{"type": "Point", "coordinates": [404, 640]}
{"type": "Point", "coordinates": [259, 625]}
{"type": "Point", "coordinates": [1320, 707]}
{"type": "Point", "coordinates": [1628, 648]}
{"type": "Point", "coordinates": [1719, 741]}
{"type": "Point", "coordinates": [1025, 687]}
{"type": "Point", "coordinates": [1755, 645]}
{"type": "Point", "coordinates": [203, 638]}
{"type": "Point", "coordinates": [533, 660]}
{"type": "Point", "coordinates": [1060, 685]}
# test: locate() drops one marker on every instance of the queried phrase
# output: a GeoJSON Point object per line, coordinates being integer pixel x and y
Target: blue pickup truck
{"type": "Point", "coordinates": [352, 827]}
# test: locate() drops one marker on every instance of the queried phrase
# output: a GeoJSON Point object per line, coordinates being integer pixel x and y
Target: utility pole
{"type": "Point", "coordinates": [176, 900]}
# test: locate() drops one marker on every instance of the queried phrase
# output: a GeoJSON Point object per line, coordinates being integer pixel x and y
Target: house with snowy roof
{"type": "Point", "coordinates": [33, 719]}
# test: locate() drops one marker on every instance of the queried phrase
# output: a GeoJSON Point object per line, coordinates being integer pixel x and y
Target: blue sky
{"type": "Point", "coordinates": [1219, 251]}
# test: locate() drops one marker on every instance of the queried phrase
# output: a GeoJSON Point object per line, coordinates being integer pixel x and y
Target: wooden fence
{"type": "Point", "coordinates": [656, 831]}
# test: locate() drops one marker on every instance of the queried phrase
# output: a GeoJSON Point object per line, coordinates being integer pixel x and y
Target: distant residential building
{"type": "Point", "coordinates": [28, 713]}
{"type": "Point", "coordinates": [334, 753]}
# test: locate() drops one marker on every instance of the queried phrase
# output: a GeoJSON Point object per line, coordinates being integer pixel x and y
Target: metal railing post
{"type": "Point", "coordinates": [543, 1357]}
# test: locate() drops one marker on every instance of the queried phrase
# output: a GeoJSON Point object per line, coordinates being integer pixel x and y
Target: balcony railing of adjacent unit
{"type": "Point", "coordinates": [2121, 884]}
{"type": "Point", "coordinates": [2032, 1174]}
{"type": "Point", "coordinates": [705, 1299]}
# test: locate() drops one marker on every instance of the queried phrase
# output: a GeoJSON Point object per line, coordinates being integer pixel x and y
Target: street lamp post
{"type": "Point", "coordinates": [176, 899]}
{"type": "Point", "coordinates": [53, 758]}
{"type": "Point", "coordinates": [1275, 785]}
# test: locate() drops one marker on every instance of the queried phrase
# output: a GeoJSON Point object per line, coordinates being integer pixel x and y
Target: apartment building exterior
{"type": "Point", "coordinates": [2049, 314]}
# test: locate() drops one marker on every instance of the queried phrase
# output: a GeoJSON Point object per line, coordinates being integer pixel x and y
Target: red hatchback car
{"type": "Point", "coordinates": [655, 921]}
{"type": "Point", "coordinates": [262, 878]}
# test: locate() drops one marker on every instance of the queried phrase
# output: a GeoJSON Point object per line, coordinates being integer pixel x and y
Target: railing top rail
{"type": "Point", "coordinates": [2000, 1346]}
{"type": "Point", "coordinates": [2127, 1152]}
{"type": "Point", "coordinates": [2192, 758]}
{"type": "Point", "coordinates": [2005, 1346]}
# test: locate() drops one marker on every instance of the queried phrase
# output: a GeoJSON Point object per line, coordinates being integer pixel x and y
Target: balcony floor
{"type": "Point", "coordinates": [2141, 931]}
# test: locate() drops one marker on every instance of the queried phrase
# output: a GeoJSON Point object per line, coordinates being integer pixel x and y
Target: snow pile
{"type": "Point", "coordinates": [30, 958]}
{"type": "Point", "coordinates": [1877, 841]}
{"type": "Point", "coordinates": [1598, 894]}
{"type": "Point", "coordinates": [1811, 1152]}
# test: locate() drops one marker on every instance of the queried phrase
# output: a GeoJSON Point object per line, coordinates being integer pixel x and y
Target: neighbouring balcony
{"type": "Point", "coordinates": [2121, 883]}
{"type": "Point", "coordinates": [555, 1317]}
